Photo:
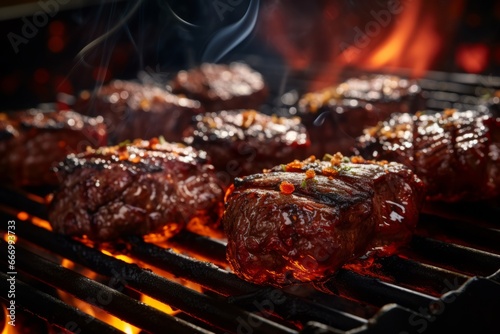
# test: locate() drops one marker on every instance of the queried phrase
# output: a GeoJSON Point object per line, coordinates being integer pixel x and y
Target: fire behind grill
{"type": "Point", "coordinates": [447, 279]}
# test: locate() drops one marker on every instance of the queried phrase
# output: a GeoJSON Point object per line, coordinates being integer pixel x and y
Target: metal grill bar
{"type": "Point", "coordinates": [97, 294]}
{"type": "Point", "coordinates": [416, 275]}
{"type": "Point", "coordinates": [474, 233]}
{"type": "Point", "coordinates": [200, 306]}
{"type": "Point", "coordinates": [455, 257]}
{"type": "Point", "coordinates": [375, 291]}
{"type": "Point", "coordinates": [228, 284]}
{"type": "Point", "coordinates": [54, 310]}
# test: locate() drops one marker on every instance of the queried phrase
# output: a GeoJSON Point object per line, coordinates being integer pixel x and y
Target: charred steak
{"type": "Point", "coordinates": [222, 87]}
{"type": "Point", "coordinates": [133, 110]}
{"type": "Point", "coordinates": [455, 153]}
{"type": "Point", "coordinates": [335, 116]}
{"type": "Point", "coordinates": [33, 141]}
{"type": "Point", "coordinates": [242, 142]}
{"type": "Point", "coordinates": [146, 187]}
{"type": "Point", "coordinates": [300, 222]}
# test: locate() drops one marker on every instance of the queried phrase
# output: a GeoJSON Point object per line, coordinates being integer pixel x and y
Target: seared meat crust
{"type": "Point", "coordinates": [300, 222]}
{"type": "Point", "coordinates": [243, 142]}
{"type": "Point", "coordinates": [139, 188]}
{"type": "Point", "coordinates": [455, 153]}
{"type": "Point", "coordinates": [222, 87]}
{"type": "Point", "coordinates": [33, 141]}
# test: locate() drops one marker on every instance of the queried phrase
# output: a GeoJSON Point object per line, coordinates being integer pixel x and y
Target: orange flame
{"type": "Point", "coordinates": [7, 329]}
{"type": "Point", "coordinates": [411, 44]}
{"type": "Point", "coordinates": [106, 317]}
{"type": "Point", "coordinates": [91, 309]}
{"type": "Point", "coordinates": [407, 35]}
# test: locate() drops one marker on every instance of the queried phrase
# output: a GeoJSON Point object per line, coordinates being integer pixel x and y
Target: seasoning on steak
{"type": "Point", "coordinates": [142, 188]}
{"type": "Point", "coordinates": [337, 115]}
{"type": "Point", "coordinates": [133, 110]}
{"type": "Point", "coordinates": [33, 141]}
{"type": "Point", "coordinates": [301, 221]}
{"type": "Point", "coordinates": [242, 142]}
{"type": "Point", "coordinates": [222, 87]}
{"type": "Point", "coordinates": [455, 153]}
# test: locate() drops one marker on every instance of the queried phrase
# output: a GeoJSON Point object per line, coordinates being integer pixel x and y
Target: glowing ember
{"type": "Point", "coordinates": [22, 215]}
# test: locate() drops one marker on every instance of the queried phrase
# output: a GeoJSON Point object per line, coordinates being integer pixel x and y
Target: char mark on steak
{"type": "Point", "coordinates": [222, 87]}
{"type": "Point", "coordinates": [141, 188]}
{"type": "Point", "coordinates": [455, 153]}
{"type": "Point", "coordinates": [302, 221]}
{"type": "Point", "coordinates": [33, 141]}
{"type": "Point", "coordinates": [243, 142]}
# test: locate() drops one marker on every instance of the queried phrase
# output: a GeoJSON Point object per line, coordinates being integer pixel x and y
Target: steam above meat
{"type": "Point", "coordinates": [139, 188]}
{"type": "Point", "coordinates": [300, 222]}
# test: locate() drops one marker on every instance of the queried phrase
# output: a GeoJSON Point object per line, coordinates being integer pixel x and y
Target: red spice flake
{"type": "Point", "coordinates": [357, 159]}
{"type": "Point", "coordinates": [249, 118]}
{"type": "Point", "coordinates": [135, 158]}
{"type": "Point", "coordinates": [286, 188]}
{"type": "Point", "coordinates": [328, 171]}
{"type": "Point", "coordinates": [123, 154]}
{"type": "Point", "coordinates": [336, 159]}
{"type": "Point", "coordinates": [312, 158]}
{"type": "Point", "coordinates": [153, 142]}
{"type": "Point", "coordinates": [310, 173]}
{"type": "Point", "coordinates": [295, 165]}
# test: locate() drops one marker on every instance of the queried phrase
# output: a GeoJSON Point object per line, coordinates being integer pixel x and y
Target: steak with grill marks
{"type": "Point", "coordinates": [242, 142]}
{"type": "Point", "coordinates": [33, 141]}
{"type": "Point", "coordinates": [335, 116]}
{"type": "Point", "coordinates": [221, 87]}
{"type": "Point", "coordinates": [302, 221]}
{"type": "Point", "coordinates": [133, 110]}
{"type": "Point", "coordinates": [455, 153]}
{"type": "Point", "coordinates": [142, 188]}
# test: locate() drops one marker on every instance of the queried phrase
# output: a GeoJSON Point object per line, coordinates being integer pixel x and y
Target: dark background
{"type": "Point", "coordinates": [151, 39]}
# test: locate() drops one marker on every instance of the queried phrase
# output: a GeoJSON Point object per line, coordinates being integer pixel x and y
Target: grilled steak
{"type": "Point", "coordinates": [302, 221]}
{"type": "Point", "coordinates": [456, 153]}
{"type": "Point", "coordinates": [145, 187]}
{"type": "Point", "coordinates": [337, 115]}
{"type": "Point", "coordinates": [33, 141]}
{"type": "Point", "coordinates": [132, 110]}
{"type": "Point", "coordinates": [222, 87]}
{"type": "Point", "coordinates": [242, 142]}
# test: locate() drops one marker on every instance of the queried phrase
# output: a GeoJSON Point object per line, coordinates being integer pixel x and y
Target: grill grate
{"type": "Point", "coordinates": [448, 278]}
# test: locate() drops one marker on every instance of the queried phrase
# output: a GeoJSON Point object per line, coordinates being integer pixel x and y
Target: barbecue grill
{"type": "Point", "coordinates": [446, 280]}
